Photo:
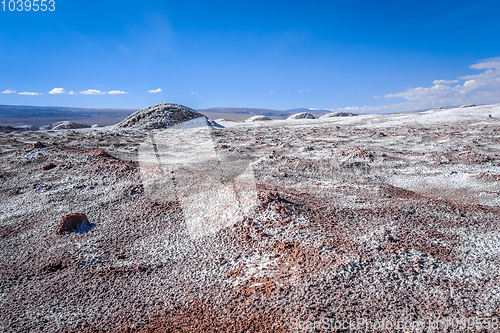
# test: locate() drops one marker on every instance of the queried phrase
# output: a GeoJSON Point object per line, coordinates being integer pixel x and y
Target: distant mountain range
{"type": "Point", "coordinates": [244, 113]}
{"type": "Point", "coordinates": [17, 115]}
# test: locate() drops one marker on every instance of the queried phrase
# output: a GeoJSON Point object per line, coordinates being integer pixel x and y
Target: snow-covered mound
{"type": "Point", "coordinates": [257, 118]}
{"type": "Point", "coordinates": [162, 115]}
{"type": "Point", "coordinates": [302, 115]}
{"type": "Point", "coordinates": [63, 125]}
{"type": "Point", "coordinates": [441, 108]}
{"type": "Point", "coordinates": [468, 105]}
{"type": "Point", "coordinates": [338, 114]}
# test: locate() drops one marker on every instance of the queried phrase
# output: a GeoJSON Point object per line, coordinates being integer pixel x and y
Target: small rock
{"type": "Point", "coordinates": [141, 268]}
{"type": "Point", "coordinates": [71, 222]}
{"type": "Point", "coordinates": [14, 191]}
{"type": "Point", "coordinates": [121, 256]}
{"type": "Point", "coordinates": [38, 144]}
{"type": "Point", "coordinates": [48, 166]}
{"type": "Point", "coordinates": [467, 105]}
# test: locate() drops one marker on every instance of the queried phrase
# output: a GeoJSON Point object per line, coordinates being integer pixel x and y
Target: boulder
{"type": "Point", "coordinates": [48, 166]}
{"type": "Point", "coordinates": [38, 144]}
{"type": "Point", "coordinates": [71, 222]}
{"type": "Point", "coordinates": [302, 115]}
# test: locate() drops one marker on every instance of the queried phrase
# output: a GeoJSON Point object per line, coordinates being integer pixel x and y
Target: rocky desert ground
{"type": "Point", "coordinates": [360, 223]}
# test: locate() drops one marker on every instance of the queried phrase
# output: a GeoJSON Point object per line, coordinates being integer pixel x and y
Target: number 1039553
{"type": "Point", "coordinates": [27, 5]}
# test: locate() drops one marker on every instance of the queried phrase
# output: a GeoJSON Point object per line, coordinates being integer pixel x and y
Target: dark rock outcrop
{"type": "Point", "coordinates": [71, 222]}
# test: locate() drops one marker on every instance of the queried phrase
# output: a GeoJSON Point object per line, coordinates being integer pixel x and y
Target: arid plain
{"type": "Point", "coordinates": [269, 226]}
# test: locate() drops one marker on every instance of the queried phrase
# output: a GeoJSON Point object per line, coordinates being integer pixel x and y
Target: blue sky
{"type": "Point", "coordinates": [371, 56]}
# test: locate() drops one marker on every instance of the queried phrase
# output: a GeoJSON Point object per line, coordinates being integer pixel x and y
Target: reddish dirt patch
{"type": "Point", "coordinates": [488, 176]}
{"type": "Point", "coordinates": [206, 316]}
{"type": "Point", "coordinates": [99, 153]}
{"type": "Point", "coordinates": [399, 192]}
{"type": "Point", "coordinates": [58, 266]}
{"type": "Point", "coordinates": [408, 239]}
{"type": "Point", "coordinates": [356, 152]}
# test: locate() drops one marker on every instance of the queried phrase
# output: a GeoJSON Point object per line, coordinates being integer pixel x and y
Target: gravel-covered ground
{"type": "Point", "coordinates": [259, 227]}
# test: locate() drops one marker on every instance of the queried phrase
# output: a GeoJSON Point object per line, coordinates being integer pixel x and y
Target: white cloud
{"type": "Point", "coordinates": [300, 91]}
{"type": "Point", "coordinates": [8, 91]}
{"type": "Point", "coordinates": [444, 81]}
{"type": "Point", "coordinates": [57, 91]}
{"type": "Point", "coordinates": [117, 92]}
{"type": "Point", "coordinates": [154, 91]}
{"type": "Point", "coordinates": [29, 93]}
{"type": "Point", "coordinates": [92, 92]}
{"type": "Point", "coordinates": [405, 106]}
{"type": "Point", "coordinates": [71, 93]}
{"type": "Point", "coordinates": [469, 83]}
{"type": "Point", "coordinates": [434, 92]}
{"type": "Point", "coordinates": [482, 88]}
{"type": "Point", "coordinates": [487, 65]}
{"type": "Point", "coordinates": [308, 90]}
{"type": "Point", "coordinates": [271, 92]}
{"type": "Point", "coordinates": [194, 93]}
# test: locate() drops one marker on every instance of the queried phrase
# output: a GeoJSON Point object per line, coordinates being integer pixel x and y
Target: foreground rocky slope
{"type": "Point", "coordinates": [359, 218]}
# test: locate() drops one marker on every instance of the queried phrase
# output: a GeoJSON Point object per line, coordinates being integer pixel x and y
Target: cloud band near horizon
{"type": "Point", "coordinates": [482, 88]}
